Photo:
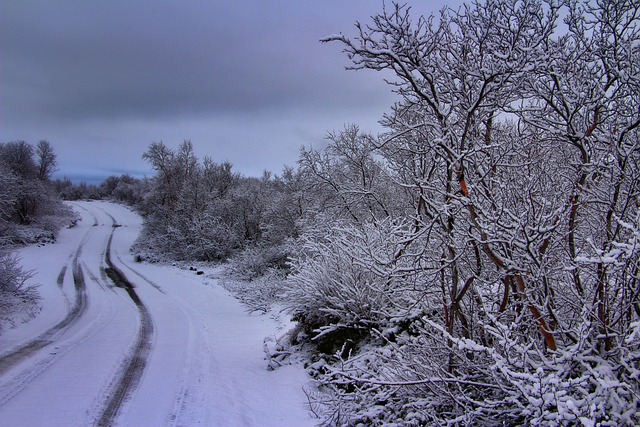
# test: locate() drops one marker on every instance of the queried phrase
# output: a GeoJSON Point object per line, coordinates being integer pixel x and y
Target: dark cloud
{"type": "Point", "coordinates": [97, 59]}
{"type": "Point", "coordinates": [89, 72]}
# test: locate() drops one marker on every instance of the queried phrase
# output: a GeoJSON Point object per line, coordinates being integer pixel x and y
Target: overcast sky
{"type": "Point", "coordinates": [245, 81]}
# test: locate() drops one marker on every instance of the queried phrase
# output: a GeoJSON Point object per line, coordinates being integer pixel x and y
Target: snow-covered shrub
{"type": "Point", "coordinates": [339, 289]}
{"type": "Point", "coordinates": [416, 372]}
{"type": "Point", "coordinates": [18, 299]}
{"type": "Point", "coordinates": [208, 238]}
{"type": "Point", "coordinates": [58, 216]}
{"type": "Point", "coordinates": [256, 261]}
{"type": "Point", "coordinates": [259, 294]}
{"type": "Point", "coordinates": [30, 211]}
{"type": "Point", "coordinates": [508, 383]}
{"type": "Point", "coordinates": [203, 237]}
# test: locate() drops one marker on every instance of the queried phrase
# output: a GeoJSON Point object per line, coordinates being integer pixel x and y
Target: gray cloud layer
{"type": "Point", "coordinates": [121, 74]}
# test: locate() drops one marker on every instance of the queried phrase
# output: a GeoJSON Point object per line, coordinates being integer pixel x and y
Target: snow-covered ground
{"type": "Point", "coordinates": [178, 350]}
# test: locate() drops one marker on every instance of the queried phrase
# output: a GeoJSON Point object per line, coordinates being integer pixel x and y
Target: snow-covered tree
{"type": "Point", "coordinates": [202, 210]}
{"type": "Point", "coordinates": [18, 156]}
{"type": "Point", "coordinates": [26, 199]}
{"type": "Point", "coordinates": [46, 158]}
{"type": "Point", "coordinates": [512, 277]}
{"type": "Point", "coordinates": [345, 178]}
{"type": "Point", "coordinates": [30, 211]}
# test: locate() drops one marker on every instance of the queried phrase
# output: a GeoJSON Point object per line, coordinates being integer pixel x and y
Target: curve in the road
{"type": "Point", "coordinates": [134, 365]}
{"type": "Point", "coordinates": [95, 218]}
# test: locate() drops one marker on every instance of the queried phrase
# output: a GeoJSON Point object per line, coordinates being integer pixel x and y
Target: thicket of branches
{"type": "Point", "coordinates": [202, 210]}
{"type": "Point", "coordinates": [30, 212]}
{"type": "Point", "coordinates": [30, 209]}
{"type": "Point", "coordinates": [18, 299]}
{"type": "Point", "coordinates": [487, 243]}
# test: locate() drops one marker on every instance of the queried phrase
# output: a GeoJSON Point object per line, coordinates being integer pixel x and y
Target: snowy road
{"type": "Point", "coordinates": [123, 343]}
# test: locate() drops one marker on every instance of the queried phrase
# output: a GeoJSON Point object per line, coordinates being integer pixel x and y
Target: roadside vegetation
{"type": "Point", "coordinates": [30, 213]}
{"type": "Point", "coordinates": [478, 263]}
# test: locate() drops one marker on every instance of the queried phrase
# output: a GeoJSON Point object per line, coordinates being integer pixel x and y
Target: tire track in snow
{"type": "Point", "coordinates": [74, 314]}
{"type": "Point", "coordinates": [60, 279]}
{"type": "Point", "coordinates": [51, 335]}
{"type": "Point", "coordinates": [175, 417]}
{"type": "Point", "coordinates": [135, 364]}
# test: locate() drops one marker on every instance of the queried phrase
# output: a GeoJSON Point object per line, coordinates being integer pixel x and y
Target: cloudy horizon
{"type": "Point", "coordinates": [246, 82]}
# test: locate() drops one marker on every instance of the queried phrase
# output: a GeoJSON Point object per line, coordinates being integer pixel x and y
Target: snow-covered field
{"type": "Point", "coordinates": [177, 350]}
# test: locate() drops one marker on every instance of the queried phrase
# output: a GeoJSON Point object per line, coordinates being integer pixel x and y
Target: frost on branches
{"type": "Point", "coordinates": [19, 300]}
{"type": "Point", "coordinates": [30, 213]}
{"type": "Point", "coordinates": [478, 263]}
